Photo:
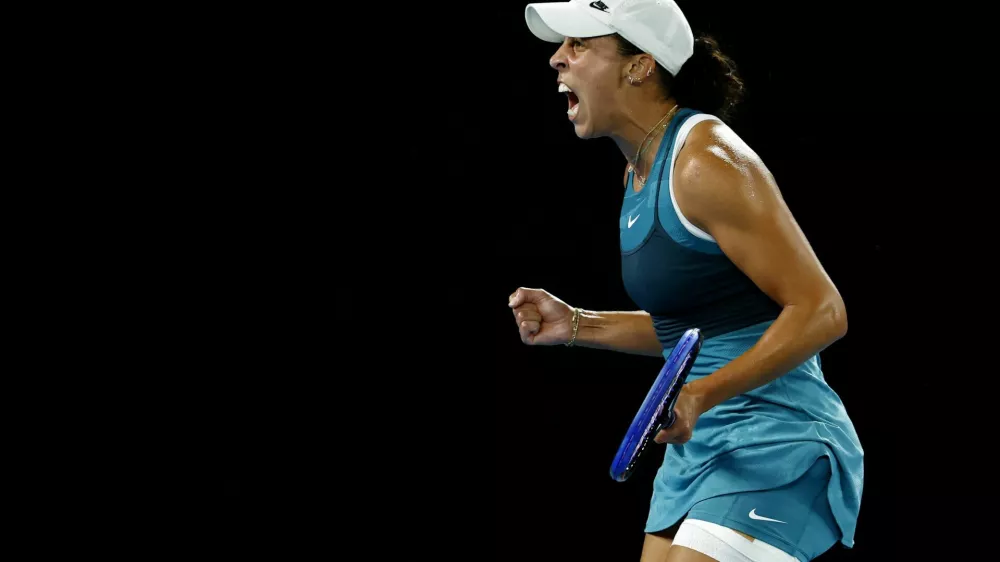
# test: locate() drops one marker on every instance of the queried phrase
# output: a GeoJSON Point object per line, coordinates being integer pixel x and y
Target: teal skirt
{"type": "Point", "coordinates": [762, 440]}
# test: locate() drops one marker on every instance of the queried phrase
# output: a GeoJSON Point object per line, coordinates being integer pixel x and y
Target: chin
{"type": "Point", "coordinates": [584, 131]}
{"type": "Point", "coordinates": [585, 128]}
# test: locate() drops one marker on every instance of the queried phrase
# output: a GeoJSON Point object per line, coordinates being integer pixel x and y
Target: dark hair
{"type": "Point", "coordinates": [707, 82]}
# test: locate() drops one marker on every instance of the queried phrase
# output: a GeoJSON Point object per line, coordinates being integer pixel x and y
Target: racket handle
{"type": "Point", "coordinates": [666, 422]}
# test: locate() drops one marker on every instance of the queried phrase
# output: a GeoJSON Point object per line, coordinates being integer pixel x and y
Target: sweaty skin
{"type": "Point", "coordinates": [723, 188]}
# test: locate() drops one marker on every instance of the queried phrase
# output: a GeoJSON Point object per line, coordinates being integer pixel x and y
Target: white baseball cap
{"type": "Point", "coordinates": [657, 27]}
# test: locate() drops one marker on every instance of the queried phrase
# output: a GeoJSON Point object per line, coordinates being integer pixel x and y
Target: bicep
{"type": "Point", "coordinates": [740, 205]}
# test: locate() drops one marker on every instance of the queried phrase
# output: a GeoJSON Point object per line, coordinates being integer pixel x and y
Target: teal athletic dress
{"type": "Point", "coordinates": [783, 462]}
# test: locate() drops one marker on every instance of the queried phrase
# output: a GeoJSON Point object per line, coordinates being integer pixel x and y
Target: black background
{"type": "Point", "coordinates": [876, 123]}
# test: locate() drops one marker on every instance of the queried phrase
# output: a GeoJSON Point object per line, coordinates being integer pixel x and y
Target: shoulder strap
{"type": "Point", "coordinates": [668, 213]}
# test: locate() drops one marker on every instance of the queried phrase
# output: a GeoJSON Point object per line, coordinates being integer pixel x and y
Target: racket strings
{"type": "Point", "coordinates": [656, 420]}
{"type": "Point", "coordinates": [662, 416]}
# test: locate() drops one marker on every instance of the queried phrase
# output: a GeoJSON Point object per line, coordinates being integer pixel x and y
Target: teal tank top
{"type": "Point", "coordinates": [676, 272]}
{"type": "Point", "coordinates": [759, 440]}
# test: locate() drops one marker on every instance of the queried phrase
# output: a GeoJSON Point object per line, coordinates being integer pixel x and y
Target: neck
{"type": "Point", "coordinates": [633, 131]}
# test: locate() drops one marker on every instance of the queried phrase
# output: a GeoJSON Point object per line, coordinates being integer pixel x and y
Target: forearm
{"type": "Point", "coordinates": [797, 334]}
{"type": "Point", "coordinates": [625, 331]}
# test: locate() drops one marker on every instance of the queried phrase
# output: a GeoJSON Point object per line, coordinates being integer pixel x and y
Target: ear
{"type": "Point", "coordinates": [640, 68]}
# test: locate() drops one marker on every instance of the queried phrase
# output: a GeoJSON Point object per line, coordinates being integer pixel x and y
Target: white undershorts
{"type": "Point", "coordinates": [725, 544]}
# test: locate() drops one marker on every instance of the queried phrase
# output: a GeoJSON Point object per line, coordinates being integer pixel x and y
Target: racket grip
{"type": "Point", "coordinates": [666, 421]}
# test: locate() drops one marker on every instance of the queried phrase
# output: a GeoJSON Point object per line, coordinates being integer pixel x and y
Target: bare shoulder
{"type": "Point", "coordinates": [723, 187]}
{"type": "Point", "coordinates": [718, 176]}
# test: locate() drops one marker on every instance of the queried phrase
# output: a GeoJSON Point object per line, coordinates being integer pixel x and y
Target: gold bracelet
{"type": "Point", "coordinates": [576, 327]}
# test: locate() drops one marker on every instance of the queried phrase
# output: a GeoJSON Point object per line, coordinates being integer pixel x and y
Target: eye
{"type": "Point", "coordinates": [575, 43]}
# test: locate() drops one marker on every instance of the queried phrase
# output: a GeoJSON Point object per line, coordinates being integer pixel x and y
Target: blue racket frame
{"type": "Point", "coordinates": [657, 410]}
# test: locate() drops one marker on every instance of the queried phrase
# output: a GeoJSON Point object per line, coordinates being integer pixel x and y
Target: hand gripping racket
{"type": "Point", "coordinates": [657, 410]}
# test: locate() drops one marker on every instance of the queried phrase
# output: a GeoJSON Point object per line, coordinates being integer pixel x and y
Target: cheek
{"type": "Point", "coordinates": [602, 95]}
{"type": "Point", "coordinates": [604, 81]}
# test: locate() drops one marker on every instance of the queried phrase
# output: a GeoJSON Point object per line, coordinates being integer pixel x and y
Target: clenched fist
{"type": "Point", "coordinates": [541, 318]}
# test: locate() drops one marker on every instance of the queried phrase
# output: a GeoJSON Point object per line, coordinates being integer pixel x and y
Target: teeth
{"type": "Point", "coordinates": [573, 110]}
{"type": "Point", "coordinates": [563, 88]}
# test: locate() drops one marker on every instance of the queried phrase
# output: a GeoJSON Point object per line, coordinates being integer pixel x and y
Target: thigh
{"type": "Point", "coordinates": [701, 541]}
{"type": "Point", "coordinates": [655, 548]}
{"type": "Point", "coordinates": [660, 548]}
{"type": "Point", "coordinates": [684, 554]}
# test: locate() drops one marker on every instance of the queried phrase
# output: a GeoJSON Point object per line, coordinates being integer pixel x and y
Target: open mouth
{"type": "Point", "coordinates": [574, 101]}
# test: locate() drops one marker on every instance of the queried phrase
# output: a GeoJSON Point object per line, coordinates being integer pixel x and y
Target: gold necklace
{"type": "Point", "coordinates": [633, 167]}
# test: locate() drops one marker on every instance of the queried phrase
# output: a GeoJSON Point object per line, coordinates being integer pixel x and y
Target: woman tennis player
{"type": "Point", "coordinates": [763, 462]}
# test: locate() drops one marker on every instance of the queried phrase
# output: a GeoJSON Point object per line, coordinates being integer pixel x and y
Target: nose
{"type": "Point", "coordinates": [558, 59]}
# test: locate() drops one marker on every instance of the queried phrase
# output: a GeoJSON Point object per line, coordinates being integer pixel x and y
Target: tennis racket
{"type": "Point", "coordinates": [657, 410]}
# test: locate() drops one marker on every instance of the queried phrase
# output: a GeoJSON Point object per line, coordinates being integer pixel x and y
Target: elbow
{"type": "Point", "coordinates": [840, 324]}
{"type": "Point", "coordinates": [833, 316]}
